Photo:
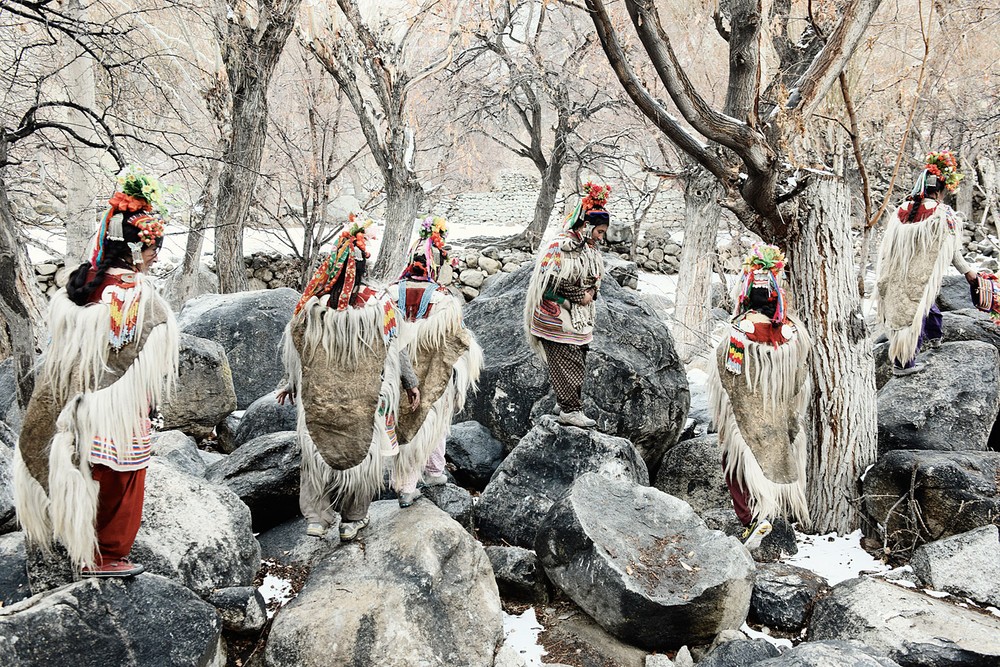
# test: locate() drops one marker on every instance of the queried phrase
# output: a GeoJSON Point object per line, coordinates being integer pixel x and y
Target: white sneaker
{"type": "Point", "coordinates": [350, 529]}
{"type": "Point", "coordinates": [755, 534]}
{"type": "Point", "coordinates": [435, 480]}
{"type": "Point", "coordinates": [316, 529]}
{"type": "Point", "coordinates": [576, 418]}
{"type": "Point", "coordinates": [900, 372]}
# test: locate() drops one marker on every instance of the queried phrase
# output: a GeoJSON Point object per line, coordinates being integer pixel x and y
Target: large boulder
{"type": "Point", "coordinates": [643, 564]}
{"type": "Point", "coordinates": [399, 597]}
{"type": "Point", "coordinates": [953, 492]}
{"type": "Point", "coordinates": [14, 584]}
{"type": "Point", "coordinates": [692, 471]}
{"type": "Point", "coordinates": [739, 652]}
{"type": "Point", "coordinates": [955, 293]}
{"type": "Point", "coordinates": [249, 326]}
{"type": "Point", "coordinates": [829, 654]}
{"type": "Point", "coordinates": [474, 452]}
{"type": "Point", "coordinates": [970, 324]}
{"type": "Point", "coordinates": [146, 620]}
{"type": "Point", "coordinates": [178, 289]}
{"type": "Point", "coordinates": [455, 501]}
{"type": "Point", "coordinates": [635, 386]}
{"type": "Point", "coordinates": [519, 575]}
{"type": "Point", "coordinates": [778, 545]}
{"type": "Point", "coordinates": [264, 473]}
{"type": "Point", "coordinates": [194, 532]}
{"type": "Point", "coordinates": [265, 415]}
{"type": "Point", "coordinates": [204, 393]}
{"type": "Point", "coordinates": [540, 469]}
{"type": "Point", "coordinates": [784, 595]}
{"type": "Point", "coordinates": [952, 405]}
{"type": "Point", "coordinates": [907, 626]}
{"type": "Point", "coordinates": [288, 544]}
{"type": "Point", "coordinates": [948, 565]}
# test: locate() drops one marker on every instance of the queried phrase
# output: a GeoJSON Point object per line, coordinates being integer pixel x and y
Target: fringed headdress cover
{"type": "Point", "coordinates": [941, 166]}
{"type": "Point", "coordinates": [592, 205]}
{"type": "Point", "coordinates": [137, 196]}
{"type": "Point", "coordinates": [344, 259]}
{"type": "Point", "coordinates": [763, 268]}
{"type": "Point", "coordinates": [430, 245]}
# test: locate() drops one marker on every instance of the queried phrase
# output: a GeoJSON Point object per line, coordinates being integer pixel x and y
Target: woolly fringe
{"type": "Point", "coordinates": [767, 499]}
{"type": "Point", "coordinates": [343, 334]}
{"type": "Point", "coordinates": [569, 268]}
{"type": "Point", "coordinates": [31, 504]}
{"type": "Point", "coordinates": [900, 246]}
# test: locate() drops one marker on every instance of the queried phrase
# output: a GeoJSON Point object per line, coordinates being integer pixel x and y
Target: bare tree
{"type": "Point", "coordinates": [807, 212]}
{"type": "Point", "coordinates": [530, 93]}
{"type": "Point", "coordinates": [254, 36]}
{"type": "Point", "coordinates": [375, 59]}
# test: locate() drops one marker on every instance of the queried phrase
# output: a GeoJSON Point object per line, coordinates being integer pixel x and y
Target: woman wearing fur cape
{"type": "Point", "coordinates": [758, 392]}
{"type": "Point", "coordinates": [919, 243]}
{"type": "Point", "coordinates": [342, 360]}
{"type": "Point", "coordinates": [446, 359]}
{"type": "Point", "coordinates": [81, 459]}
{"type": "Point", "coordinates": [559, 307]}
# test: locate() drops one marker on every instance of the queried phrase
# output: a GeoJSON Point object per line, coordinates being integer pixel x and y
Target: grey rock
{"type": "Point", "coordinates": [739, 653]}
{"type": "Point", "coordinates": [225, 433]}
{"type": "Point", "coordinates": [969, 324]}
{"type": "Point", "coordinates": [249, 326]}
{"type": "Point", "coordinates": [10, 411]}
{"type": "Point", "coordinates": [622, 270]}
{"type": "Point", "coordinates": [951, 405]}
{"type": "Point", "coordinates": [8, 518]}
{"type": "Point", "coordinates": [955, 293]}
{"type": "Point", "coordinates": [180, 450]}
{"type": "Point", "coordinates": [784, 595]}
{"type": "Point", "coordinates": [953, 491]}
{"type": "Point", "coordinates": [779, 544]}
{"type": "Point", "coordinates": [265, 415]}
{"type": "Point", "coordinates": [683, 658]}
{"type": "Point", "coordinates": [14, 584]}
{"type": "Point", "coordinates": [635, 387]}
{"type": "Point", "coordinates": [967, 565]}
{"type": "Point", "coordinates": [518, 573]}
{"type": "Point", "coordinates": [907, 626]}
{"type": "Point", "coordinates": [540, 469]}
{"type": "Point", "coordinates": [206, 282]}
{"type": "Point", "coordinates": [643, 565]}
{"type": "Point", "coordinates": [656, 255]}
{"type": "Point", "coordinates": [371, 602]}
{"type": "Point", "coordinates": [210, 458]}
{"type": "Point", "coordinates": [288, 544]}
{"type": "Point", "coordinates": [489, 265]}
{"type": "Point", "coordinates": [692, 471]}
{"type": "Point", "coordinates": [242, 608]}
{"type": "Point", "coordinates": [264, 473]}
{"type": "Point", "coordinates": [204, 394]}
{"type": "Point", "coordinates": [472, 277]}
{"type": "Point", "coordinates": [474, 452]}
{"type": "Point", "coordinates": [829, 654]}
{"type": "Point", "coordinates": [455, 501]}
{"type": "Point", "coordinates": [195, 533]}
{"type": "Point", "coordinates": [658, 660]}
{"type": "Point", "coordinates": [620, 233]}
{"type": "Point", "coordinates": [146, 620]}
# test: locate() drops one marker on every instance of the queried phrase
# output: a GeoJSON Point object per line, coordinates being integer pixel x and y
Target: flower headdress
{"type": "Point", "coordinates": [430, 245]}
{"type": "Point", "coordinates": [763, 267]}
{"type": "Point", "coordinates": [941, 165]}
{"type": "Point", "coordinates": [138, 192]}
{"type": "Point", "coordinates": [591, 207]}
{"type": "Point", "coordinates": [344, 258]}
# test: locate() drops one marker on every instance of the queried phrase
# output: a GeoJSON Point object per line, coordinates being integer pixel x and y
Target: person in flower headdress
{"type": "Point", "coordinates": [341, 357]}
{"type": "Point", "coordinates": [758, 393]}
{"type": "Point", "coordinates": [445, 357]}
{"type": "Point", "coordinates": [920, 241]}
{"type": "Point", "coordinates": [81, 459]}
{"type": "Point", "coordinates": [559, 308]}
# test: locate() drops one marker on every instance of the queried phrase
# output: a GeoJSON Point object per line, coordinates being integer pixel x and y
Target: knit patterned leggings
{"type": "Point", "coordinates": [566, 372]}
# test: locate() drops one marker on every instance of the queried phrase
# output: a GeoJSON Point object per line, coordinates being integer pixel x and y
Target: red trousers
{"type": "Point", "coordinates": [119, 510]}
{"type": "Point", "coordinates": [741, 499]}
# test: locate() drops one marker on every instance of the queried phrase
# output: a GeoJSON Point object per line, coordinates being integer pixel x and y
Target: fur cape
{"type": "Point", "coordinates": [447, 361]}
{"type": "Point", "coordinates": [757, 414]}
{"type": "Point", "coordinates": [343, 368]}
{"type": "Point", "coordinates": [85, 390]}
{"type": "Point", "coordinates": [568, 258]}
{"type": "Point", "coordinates": [911, 263]}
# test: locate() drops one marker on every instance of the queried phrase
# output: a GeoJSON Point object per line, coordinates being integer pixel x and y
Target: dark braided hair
{"type": "Point", "coordinates": [932, 187]}
{"type": "Point", "coordinates": [117, 254]}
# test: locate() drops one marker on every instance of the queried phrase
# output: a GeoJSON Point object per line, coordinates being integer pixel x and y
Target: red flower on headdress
{"type": "Point", "coordinates": [128, 204]}
{"type": "Point", "coordinates": [596, 198]}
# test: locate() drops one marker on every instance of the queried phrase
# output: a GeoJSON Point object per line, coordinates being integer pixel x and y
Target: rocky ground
{"type": "Point", "coordinates": [551, 545]}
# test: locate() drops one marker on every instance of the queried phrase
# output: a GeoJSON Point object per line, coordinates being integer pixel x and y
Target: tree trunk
{"type": "Point", "coordinates": [841, 420]}
{"type": "Point", "coordinates": [694, 281]}
{"type": "Point", "coordinates": [546, 201]}
{"type": "Point", "coordinates": [21, 303]}
{"type": "Point", "coordinates": [402, 203]}
{"type": "Point", "coordinates": [186, 286]}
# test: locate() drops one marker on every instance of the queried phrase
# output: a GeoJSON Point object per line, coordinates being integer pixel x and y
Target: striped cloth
{"type": "Point", "coordinates": [134, 456]}
{"type": "Point", "coordinates": [546, 324]}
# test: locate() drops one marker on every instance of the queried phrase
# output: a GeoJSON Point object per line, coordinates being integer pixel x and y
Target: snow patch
{"type": "Point", "coordinates": [521, 633]}
{"type": "Point", "coordinates": [777, 642]}
{"type": "Point", "coordinates": [835, 558]}
{"type": "Point", "coordinates": [277, 590]}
